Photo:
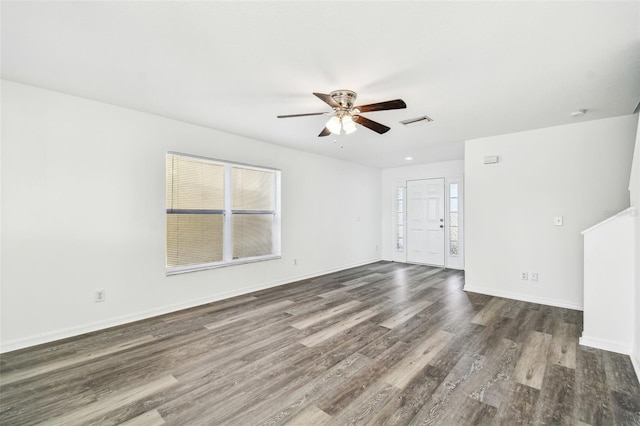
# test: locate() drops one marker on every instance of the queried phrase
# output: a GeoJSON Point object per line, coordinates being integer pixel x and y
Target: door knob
{"type": "Point", "coordinates": [441, 226]}
{"type": "Point", "coordinates": [441, 220]}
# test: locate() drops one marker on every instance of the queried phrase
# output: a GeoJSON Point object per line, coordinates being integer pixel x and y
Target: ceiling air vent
{"type": "Point", "coordinates": [416, 121]}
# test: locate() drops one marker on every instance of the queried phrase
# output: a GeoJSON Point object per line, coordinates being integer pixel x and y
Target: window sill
{"type": "Point", "coordinates": [202, 267]}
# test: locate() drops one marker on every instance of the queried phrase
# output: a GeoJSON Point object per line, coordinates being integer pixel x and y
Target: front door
{"type": "Point", "coordinates": [425, 221]}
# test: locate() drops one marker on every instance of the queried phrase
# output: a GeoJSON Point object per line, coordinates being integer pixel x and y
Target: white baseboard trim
{"type": "Point", "coordinates": [41, 338]}
{"type": "Point", "coordinates": [606, 345]}
{"type": "Point", "coordinates": [524, 297]}
{"type": "Point", "coordinates": [636, 363]}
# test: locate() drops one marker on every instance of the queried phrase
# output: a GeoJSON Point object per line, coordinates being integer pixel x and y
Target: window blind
{"type": "Point", "coordinates": [219, 213]}
{"type": "Point", "coordinates": [195, 211]}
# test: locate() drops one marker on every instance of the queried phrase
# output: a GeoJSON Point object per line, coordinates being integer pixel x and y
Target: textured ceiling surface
{"type": "Point", "coordinates": [477, 68]}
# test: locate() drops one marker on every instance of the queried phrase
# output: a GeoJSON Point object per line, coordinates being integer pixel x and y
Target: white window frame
{"type": "Point", "coordinates": [404, 218]}
{"type": "Point", "coordinates": [227, 228]}
{"type": "Point", "coordinates": [454, 261]}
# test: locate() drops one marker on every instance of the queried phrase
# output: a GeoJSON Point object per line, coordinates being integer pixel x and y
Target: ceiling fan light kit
{"type": "Point", "coordinates": [348, 125]}
{"type": "Point", "coordinates": [346, 115]}
{"type": "Point", "coordinates": [334, 125]}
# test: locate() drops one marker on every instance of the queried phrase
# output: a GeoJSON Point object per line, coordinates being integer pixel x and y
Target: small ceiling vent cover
{"type": "Point", "coordinates": [416, 121]}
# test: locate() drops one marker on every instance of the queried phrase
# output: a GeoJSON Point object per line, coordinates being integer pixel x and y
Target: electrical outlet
{"type": "Point", "coordinates": [524, 276]}
{"type": "Point", "coordinates": [533, 276]}
{"type": "Point", "coordinates": [295, 262]}
{"type": "Point", "coordinates": [99, 296]}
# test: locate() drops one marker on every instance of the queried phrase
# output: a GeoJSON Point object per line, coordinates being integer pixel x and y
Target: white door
{"type": "Point", "coordinates": [425, 221]}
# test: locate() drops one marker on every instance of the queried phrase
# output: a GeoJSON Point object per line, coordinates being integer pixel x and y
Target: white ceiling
{"type": "Point", "coordinates": [477, 68]}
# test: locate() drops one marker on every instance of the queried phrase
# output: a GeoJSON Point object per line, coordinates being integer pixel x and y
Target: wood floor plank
{"type": "Point", "coordinates": [339, 292]}
{"type": "Point", "coordinates": [446, 396]}
{"type": "Point", "coordinates": [532, 364]}
{"type": "Point", "coordinates": [150, 418]}
{"type": "Point", "coordinates": [275, 307]}
{"type": "Point", "coordinates": [417, 359]}
{"type": "Point", "coordinates": [215, 307]}
{"type": "Point", "coordinates": [326, 314]}
{"type": "Point", "coordinates": [519, 405]}
{"type": "Point", "coordinates": [364, 408]}
{"type": "Point", "coordinates": [381, 344]}
{"type": "Point", "coordinates": [102, 407]}
{"type": "Point", "coordinates": [340, 327]}
{"type": "Point", "coordinates": [491, 385]}
{"type": "Point", "coordinates": [25, 373]}
{"type": "Point", "coordinates": [311, 415]}
{"type": "Point", "coordinates": [489, 312]}
{"type": "Point", "coordinates": [562, 350]}
{"type": "Point", "coordinates": [554, 406]}
{"type": "Point", "coordinates": [593, 404]}
{"type": "Point", "coordinates": [401, 409]}
{"type": "Point", "coordinates": [406, 314]}
{"type": "Point", "coordinates": [623, 388]}
{"type": "Point", "coordinates": [345, 394]}
{"type": "Point", "coordinates": [290, 405]}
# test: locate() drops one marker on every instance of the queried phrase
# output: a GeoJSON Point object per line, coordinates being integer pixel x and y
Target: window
{"type": "Point", "coordinates": [220, 213]}
{"type": "Point", "coordinates": [399, 219]}
{"type": "Point", "coordinates": [453, 219]}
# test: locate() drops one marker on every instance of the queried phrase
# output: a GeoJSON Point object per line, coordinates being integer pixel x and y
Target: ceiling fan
{"type": "Point", "coordinates": [345, 115]}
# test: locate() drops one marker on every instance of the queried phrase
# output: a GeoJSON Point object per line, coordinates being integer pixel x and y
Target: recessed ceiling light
{"type": "Point", "coordinates": [408, 158]}
{"type": "Point", "coordinates": [578, 113]}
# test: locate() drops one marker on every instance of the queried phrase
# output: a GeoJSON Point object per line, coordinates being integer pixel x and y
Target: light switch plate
{"type": "Point", "coordinates": [557, 221]}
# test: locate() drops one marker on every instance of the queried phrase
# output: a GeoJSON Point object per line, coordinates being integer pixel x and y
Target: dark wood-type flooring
{"type": "Point", "coordinates": [385, 343]}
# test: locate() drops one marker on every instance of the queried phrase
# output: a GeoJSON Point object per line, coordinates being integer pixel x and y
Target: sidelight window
{"type": "Point", "coordinates": [400, 204]}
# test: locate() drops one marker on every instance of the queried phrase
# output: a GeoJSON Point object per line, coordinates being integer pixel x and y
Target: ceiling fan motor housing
{"type": "Point", "coordinates": [346, 98]}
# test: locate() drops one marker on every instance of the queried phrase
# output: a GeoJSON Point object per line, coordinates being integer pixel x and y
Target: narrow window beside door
{"type": "Point", "coordinates": [400, 219]}
{"type": "Point", "coordinates": [453, 219]}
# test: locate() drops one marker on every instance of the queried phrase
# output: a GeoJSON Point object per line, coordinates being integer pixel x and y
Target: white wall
{"type": "Point", "coordinates": [397, 176]}
{"type": "Point", "coordinates": [578, 171]}
{"type": "Point", "coordinates": [83, 202]}
{"type": "Point", "coordinates": [634, 189]}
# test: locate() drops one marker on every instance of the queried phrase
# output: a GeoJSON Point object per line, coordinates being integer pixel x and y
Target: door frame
{"type": "Point", "coordinates": [451, 261]}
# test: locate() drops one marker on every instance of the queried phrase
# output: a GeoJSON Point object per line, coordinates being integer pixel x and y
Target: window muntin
{"type": "Point", "coordinates": [219, 213]}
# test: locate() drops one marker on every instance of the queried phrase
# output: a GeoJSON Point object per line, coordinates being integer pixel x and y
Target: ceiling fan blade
{"type": "Point", "coordinates": [382, 106]}
{"type": "Point", "coordinates": [328, 100]}
{"type": "Point", "coordinates": [373, 125]}
{"type": "Point", "coordinates": [324, 132]}
{"type": "Point", "coordinates": [301, 115]}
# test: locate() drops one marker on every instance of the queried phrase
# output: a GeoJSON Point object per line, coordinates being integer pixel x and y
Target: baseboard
{"type": "Point", "coordinates": [38, 339]}
{"type": "Point", "coordinates": [524, 297]}
{"type": "Point", "coordinates": [606, 345]}
{"type": "Point", "coordinates": [636, 363]}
